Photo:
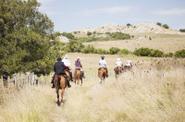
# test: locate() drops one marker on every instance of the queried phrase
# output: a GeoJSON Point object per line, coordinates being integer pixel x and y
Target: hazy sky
{"type": "Point", "coordinates": [69, 15]}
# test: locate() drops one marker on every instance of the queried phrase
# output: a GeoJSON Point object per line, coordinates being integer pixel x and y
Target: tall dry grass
{"type": "Point", "coordinates": [154, 93]}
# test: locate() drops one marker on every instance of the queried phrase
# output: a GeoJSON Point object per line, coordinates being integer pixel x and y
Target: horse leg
{"type": "Point", "coordinates": [101, 80]}
{"type": "Point", "coordinates": [77, 81]}
{"type": "Point", "coordinates": [58, 101]}
{"type": "Point", "coordinates": [62, 95]}
{"type": "Point", "coordinates": [81, 81]}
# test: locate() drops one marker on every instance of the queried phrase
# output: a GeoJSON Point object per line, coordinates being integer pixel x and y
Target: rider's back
{"type": "Point", "coordinates": [59, 68]}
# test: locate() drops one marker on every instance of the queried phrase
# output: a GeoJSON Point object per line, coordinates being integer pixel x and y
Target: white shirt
{"type": "Point", "coordinates": [119, 63]}
{"type": "Point", "coordinates": [102, 63]}
{"type": "Point", "coordinates": [66, 62]}
{"type": "Point", "coordinates": [128, 63]}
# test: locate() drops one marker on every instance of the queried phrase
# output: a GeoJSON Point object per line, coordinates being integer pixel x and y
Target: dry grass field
{"type": "Point", "coordinates": [163, 42]}
{"type": "Point", "coordinates": [154, 93]}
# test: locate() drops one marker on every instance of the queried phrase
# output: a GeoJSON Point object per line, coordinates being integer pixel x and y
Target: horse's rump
{"type": "Point", "coordinates": [60, 81]}
{"type": "Point", "coordinates": [102, 72]}
{"type": "Point", "coordinates": [78, 74]}
{"type": "Point", "coordinates": [118, 69]}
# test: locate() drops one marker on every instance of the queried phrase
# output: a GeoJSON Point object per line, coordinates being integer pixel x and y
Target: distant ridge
{"type": "Point", "coordinates": [137, 28]}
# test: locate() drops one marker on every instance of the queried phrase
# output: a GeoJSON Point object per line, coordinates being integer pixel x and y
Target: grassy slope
{"type": "Point", "coordinates": [163, 42]}
{"type": "Point", "coordinates": [155, 93]}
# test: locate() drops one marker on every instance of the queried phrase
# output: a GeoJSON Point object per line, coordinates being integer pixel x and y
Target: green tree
{"type": "Point", "coordinates": [75, 46]}
{"type": "Point", "coordinates": [24, 37]}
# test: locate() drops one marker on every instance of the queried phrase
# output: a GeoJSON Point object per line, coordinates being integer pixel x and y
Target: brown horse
{"type": "Point", "coordinates": [78, 76]}
{"type": "Point", "coordinates": [118, 71]}
{"type": "Point", "coordinates": [60, 84]}
{"type": "Point", "coordinates": [102, 73]}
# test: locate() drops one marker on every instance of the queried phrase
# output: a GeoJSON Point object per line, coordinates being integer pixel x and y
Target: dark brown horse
{"type": "Point", "coordinates": [60, 84]}
{"type": "Point", "coordinates": [118, 70]}
{"type": "Point", "coordinates": [102, 74]}
{"type": "Point", "coordinates": [78, 76]}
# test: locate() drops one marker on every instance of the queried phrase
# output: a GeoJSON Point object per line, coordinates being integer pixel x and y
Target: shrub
{"type": "Point", "coordinates": [148, 52]}
{"type": "Point", "coordinates": [101, 51]}
{"type": "Point", "coordinates": [165, 26]}
{"type": "Point", "coordinates": [94, 32]}
{"type": "Point", "coordinates": [89, 33]}
{"type": "Point", "coordinates": [119, 35]}
{"type": "Point", "coordinates": [68, 35]}
{"type": "Point", "coordinates": [142, 52]}
{"type": "Point", "coordinates": [182, 30]}
{"type": "Point", "coordinates": [87, 39]}
{"type": "Point", "coordinates": [124, 51]}
{"type": "Point", "coordinates": [128, 25]}
{"type": "Point", "coordinates": [156, 53]}
{"type": "Point", "coordinates": [114, 50]}
{"type": "Point", "coordinates": [180, 53]}
{"type": "Point", "coordinates": [168, 54]}
{"type": "Point", "coordinates": [75, 46]}
{"type": "Point", "coordinates": [89, 49]}
{"type": "Point", "coordinates": [159, 24]}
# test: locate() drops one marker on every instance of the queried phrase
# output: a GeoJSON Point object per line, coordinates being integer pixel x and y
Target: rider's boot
{"type": "Point", "coordinates": [52, 82]}
{"type": "Point", "coordinates": [68, 84]}
{"type": "Point", "coordinates": [107, 74]}
{"type": "Point", "coordinates": [71, 75]}
{"type": "Point", "coordinates": [83, 75]}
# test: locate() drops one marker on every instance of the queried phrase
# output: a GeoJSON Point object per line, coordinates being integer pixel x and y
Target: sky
{"type": "Point", "coordinates": [71, 15]}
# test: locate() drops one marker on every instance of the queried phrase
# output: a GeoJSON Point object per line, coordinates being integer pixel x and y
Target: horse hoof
{"type": "Point", "coordinates": [58, 103]}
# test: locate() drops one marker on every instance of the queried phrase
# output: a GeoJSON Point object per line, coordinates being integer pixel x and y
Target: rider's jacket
{"type": "Point", "coordinates": [102, 63]}
{"type": "Point", "coordinates": [59, 67]}
{"type": "Point", "coordinates": [119, 63]}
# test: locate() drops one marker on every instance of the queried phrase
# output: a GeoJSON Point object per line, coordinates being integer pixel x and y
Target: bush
{"type": "Point", "coordinates": [68, 35]}
{"type": "Point", "coordinates": [89, 49]}
{"type": "Point", "coordinates": [119, 35]}
{"type": "Point", "coordinates": [75, 46]}
{"type": "Point", "coordinates": [148, 52]}
{"type": "Point", "coordinates": [89, 33]}
{"type": "Point", "coordinates": [128, 25]}
{"type": "Point", "coordinates": [124, 51]}
{"type": "Point", "coordinates": [165, 26]}
{"type": "Point", "coordinates": [142, 52]}
{"type": "Point", "coordinates": [87, 39]}
{"type": "Point", "coordinates": [180, 53]}
{"type": "Point", "coordinates": [182, 30]}
{"type": "Point", "coordinates": [156, 53]}
{"type": "Point", "coordinates": [114, 50]}
{"type": "Point", "coordinates": [159, 24]}
{"type": "Point", "coordinates": [168, 54]}
{"type": "Point", "coordinates": [101, 51]}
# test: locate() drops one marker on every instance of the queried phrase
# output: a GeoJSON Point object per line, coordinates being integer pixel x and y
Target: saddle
{"type": "Point", "coordinates": [58, 77]}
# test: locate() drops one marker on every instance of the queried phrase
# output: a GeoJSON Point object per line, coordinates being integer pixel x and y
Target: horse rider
{"type": "Point", "coordinates": [103, 64]}
{"type": "Point", "coordinates": [78, 66]}
{"type": "Point", "coordinates": [128, 63]}
{"type": "Point", "coordinates": [67, 63]}
{"type": "Point", "coordinates": [59, 68]}
{"type": "Point", "coordinates": [119, 64]}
